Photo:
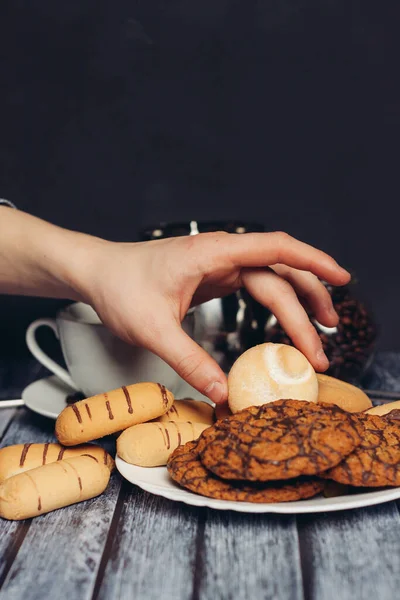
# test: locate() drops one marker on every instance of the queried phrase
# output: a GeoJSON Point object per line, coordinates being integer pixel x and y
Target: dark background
{"type": "Point", "coordinates": [115, 115]}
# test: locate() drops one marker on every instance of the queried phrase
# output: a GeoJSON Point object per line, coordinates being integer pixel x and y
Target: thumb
{"type": "Point", "coordinates": [191, 362]}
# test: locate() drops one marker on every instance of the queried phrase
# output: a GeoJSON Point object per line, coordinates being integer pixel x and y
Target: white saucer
{"type": "Point", "coordinates": [48, 396]}
{"type": "Point", "coordinates": [157, 481]}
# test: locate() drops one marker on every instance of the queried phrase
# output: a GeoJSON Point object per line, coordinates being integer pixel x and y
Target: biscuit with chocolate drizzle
{"type": "Point", "coordinates": [279, 440]}
{"type": "Point", "coordinates": [185, 468]}
{"type": "Point", "coordinates": [376, 462]}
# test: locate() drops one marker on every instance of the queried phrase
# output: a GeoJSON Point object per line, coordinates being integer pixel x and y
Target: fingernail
{"type": "Point", "coordinates": [343, 271]}
{"type": "Point", "coordinates": [217, 392]}
{"type": "Point", "coordinates": [333, 312]}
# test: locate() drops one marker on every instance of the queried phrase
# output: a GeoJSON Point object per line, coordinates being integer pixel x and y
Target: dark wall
{"type": "Point", "coordinates": [119, 114]}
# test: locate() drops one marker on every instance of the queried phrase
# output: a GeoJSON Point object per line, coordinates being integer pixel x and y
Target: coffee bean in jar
{"type": "Point", "coordinates": [349, 346]}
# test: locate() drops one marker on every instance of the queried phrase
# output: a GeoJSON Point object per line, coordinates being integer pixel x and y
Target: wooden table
{"type": "Point", "coordinates": [128, 544]}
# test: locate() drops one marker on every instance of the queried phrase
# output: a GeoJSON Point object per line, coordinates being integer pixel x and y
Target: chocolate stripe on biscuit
{"type": "Point", "coordinates": [105, 457]}
{"type": "Point", "coordinates": [128, 399]}
{"type": "Point", "coordinates": [169, 441]}
{"type": "Point", "coordinates": [90, 456]}
{"type": "Point", "coordinates": [110, 415]}
{"type": "Point", "coordinates": [24, 453]}
{"type": "Point", "coordinates": [45, 449]}
{"type": "Point", "coordinates": [61, 454]}
{"type": "Point", "coordinates": [88, 411]}
{"type": "Point", "coordinates": [172, 410]}
{"type": "Point", "coordinates": [77, 474]}
{"type": "Point", "coordinates": [163, 430]}
{"type": "Point", "coordinates": [77, 413]}
{"type": "Point", "coordinates": [178, 432]}
{"type": "Point", "coordinates": [163, 394]}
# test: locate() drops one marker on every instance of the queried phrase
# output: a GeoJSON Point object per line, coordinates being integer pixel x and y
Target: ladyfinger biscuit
{"type": "Point", "coordinates": [187, 409]}
{"type": "Point", "coordinates": [335, 391]}
{"type": "Point", "coordinates": [110, 412]}
{"type": "Point", "coordinates": [151, 444]}
{"type": "Point", "coordinates": [386, 409]}
{"type": "Point", "coordinates": [23, 457]}
{"type": "Point", "coordinates": [52, 486]}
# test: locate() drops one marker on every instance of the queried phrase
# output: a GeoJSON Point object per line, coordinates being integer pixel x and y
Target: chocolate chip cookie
{"type": "Point", "coordinates": [279, 440]}
{"type": "Point", "coordinates": [376, 461]}
{"type": "Point", "coordinates": [185, 468]}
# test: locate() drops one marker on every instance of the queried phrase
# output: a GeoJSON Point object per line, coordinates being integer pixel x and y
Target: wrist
{"type": "Point", "coordinates": [41, 259]}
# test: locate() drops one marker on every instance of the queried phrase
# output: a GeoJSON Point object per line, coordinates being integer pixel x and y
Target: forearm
{"type": "Point", "coordinates": [40, 259]}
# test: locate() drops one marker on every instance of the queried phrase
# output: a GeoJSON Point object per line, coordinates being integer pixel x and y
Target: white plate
{"type": "Point", "coordinates": [48, 396]}
{"type": "Point", "coordinates": [157, 481]}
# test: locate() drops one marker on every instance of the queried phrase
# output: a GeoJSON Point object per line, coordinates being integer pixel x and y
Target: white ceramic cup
{"type": "Point", "coordinates": [97, 360]}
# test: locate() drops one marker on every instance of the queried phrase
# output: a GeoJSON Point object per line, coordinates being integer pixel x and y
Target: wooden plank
{"type": "Point", "coordinates": [153, 550]}
{"type": "Point", "coordinates": [24, 427]}
{"type": "Point", "coordinates": [353, 554]}
{"type": "Point", "coordinates": [60, 550]}
{"type": "Point", "coordinates": [28, 427]}
{"type": "Point", "coordinates": [6, 415]}
{"type": "Point", "coordinates": [249, 556]}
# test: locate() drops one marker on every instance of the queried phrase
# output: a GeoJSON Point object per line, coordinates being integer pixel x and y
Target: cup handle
{"type": "Point", "coordinates": [41, 356]}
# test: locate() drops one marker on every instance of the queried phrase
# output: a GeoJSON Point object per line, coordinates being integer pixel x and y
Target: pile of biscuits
{"type": "Point", "coordinates": [259, 448]}
{"type": "Point", "coordinates": [38, 478]}
{"type": "Point", "coordinates": [285, 450]}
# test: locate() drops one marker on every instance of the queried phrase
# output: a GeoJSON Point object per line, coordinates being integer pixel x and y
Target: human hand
{"type": "Point", "coordinates": [142, 292]}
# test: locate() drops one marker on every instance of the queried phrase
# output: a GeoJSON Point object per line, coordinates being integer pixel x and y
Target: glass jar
{"type": "Point", "coordinates": [349, 346]}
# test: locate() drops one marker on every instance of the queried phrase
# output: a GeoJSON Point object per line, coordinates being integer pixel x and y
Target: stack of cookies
{"type": "Point", "coordinates": [285, 450]}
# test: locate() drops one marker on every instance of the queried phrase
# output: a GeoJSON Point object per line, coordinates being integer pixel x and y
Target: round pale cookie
{"type": "Point", "coordinates": [270, 372]}
{"type": "Point", "coordinates": [280, 440]}
{"type": "Point", "coordinates": [376, 461]}
{"type": "Point", "coordinates": [334, 391]}
{"type": "Point", "coordinates": [185, 468]}
{"type": "Point", "coordinates": [386, 409]}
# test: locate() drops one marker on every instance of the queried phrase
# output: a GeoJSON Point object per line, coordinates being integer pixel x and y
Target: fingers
{"type": "Point", "coordinates": [191, 362]}
{"type": "Point", "coordinates": [279, 296]}
{"type": "Point", "coordinates": [265, 249]}
{"type": "Point", "coordinates": [310, 288]}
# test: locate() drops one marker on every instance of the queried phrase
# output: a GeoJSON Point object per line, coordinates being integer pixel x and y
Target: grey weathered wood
{"type": "Point", "coordinates": [153, 551]}
{"type": "Point", "coordinates": [6, 414]}
{"type": "Point", "coordinates": [250, 556]}
{"type": "Point", "coordinates": [140, 546]}
{"type": "Point", "coordinates": [352, 555]}
{"type": "Point", "coordinates": [61, 553]}
{"type": "Point", "coordinates": [26, 427]}
{"type": "Point", "coordinates": [61, 550]}
{"type": "Point", "coordinates": [8, 532]}
{"type": "Point", "coordinates": [22, 427]}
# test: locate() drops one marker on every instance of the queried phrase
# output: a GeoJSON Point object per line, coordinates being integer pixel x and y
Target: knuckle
{"type": "Point", "coordinates": [281, 236]}
{"type": "Point", "coordinates": [214, 234]}
{"type": "Point", "coordinates": [211, 238]}
{"type": "Point", "coordinates": [282, 295]}
{"type": "Point", "coordinates": [283, 288]}
{"type": "Point", "coordinates": [280, 241]}
{"type": "Point", "coordinates": [189, 365]}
